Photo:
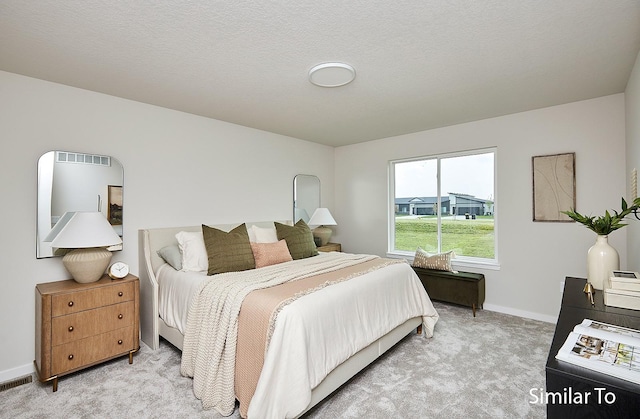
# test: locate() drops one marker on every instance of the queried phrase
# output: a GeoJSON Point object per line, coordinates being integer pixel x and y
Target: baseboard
{"type": "Point", "coordinates": [16, 372]}
{"type": "Point", "coordinates": [521, 313]}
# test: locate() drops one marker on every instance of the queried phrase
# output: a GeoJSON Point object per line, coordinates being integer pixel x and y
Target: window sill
{"type": "Point", "coordinates": [457, 263]}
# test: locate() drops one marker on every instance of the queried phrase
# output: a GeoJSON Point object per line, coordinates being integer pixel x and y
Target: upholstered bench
{"type": "Point", "coordinates": [464, 288]}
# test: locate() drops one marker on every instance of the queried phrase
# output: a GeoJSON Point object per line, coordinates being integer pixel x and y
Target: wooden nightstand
{"type": "Point", "coordinates": [80, 325]}
{"type": "Point", "coordinates": [330, 247]}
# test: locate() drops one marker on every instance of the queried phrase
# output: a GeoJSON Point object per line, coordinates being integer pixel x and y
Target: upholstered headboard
{"type": "Point", "coordinates": [149, 242]}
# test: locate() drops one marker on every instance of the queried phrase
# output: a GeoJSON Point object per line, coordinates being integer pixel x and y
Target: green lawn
{"type": "Point", "coordinates": [465, 237]}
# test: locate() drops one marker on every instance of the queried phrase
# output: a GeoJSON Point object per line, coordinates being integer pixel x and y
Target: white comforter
{"type": "Point", "coordinates": [306, 345]}
{"type": "Point", "coordinates": [176, 293]}
{"type": "Point", "coordinates": [317, 332]}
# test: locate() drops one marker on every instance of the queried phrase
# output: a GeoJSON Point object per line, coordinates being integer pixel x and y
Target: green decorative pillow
{"type": "Point", "coordinates": [299, 239]}
{"type": "Point", "coordinates": [228, 252]}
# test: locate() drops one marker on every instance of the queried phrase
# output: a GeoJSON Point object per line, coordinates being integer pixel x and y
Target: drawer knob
{"type": "Point", "coordinates": [71, 328]}
{"type": "Point", "coordinates": [70, 357]}
{"type": "Point", "coordinates": [120, 316]}
{"type": "Point", "coordinates": [120, 294]}
{"type": "Point", "coordinates": [120, 342]}
{"type": "Point", "coordinates": [70, 303]}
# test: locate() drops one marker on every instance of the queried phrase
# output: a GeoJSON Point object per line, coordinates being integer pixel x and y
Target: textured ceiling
{"type": "Point", "coordinates": [420, 64]}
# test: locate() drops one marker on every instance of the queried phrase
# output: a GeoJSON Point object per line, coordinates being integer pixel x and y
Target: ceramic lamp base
{"type": "Point", "coordinates": [323, 234]}
{"type": "Point", "coordinates": [87, 265]}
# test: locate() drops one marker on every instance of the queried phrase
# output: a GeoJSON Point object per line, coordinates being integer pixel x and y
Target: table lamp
{"type": "Point", "coordinates": [322, 217]}
{"type": "Point", "coordinates": [88, 234]}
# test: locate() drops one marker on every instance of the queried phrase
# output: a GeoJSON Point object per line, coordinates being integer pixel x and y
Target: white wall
{"type": "Point", "coordinates": [632, 108]}
{"type": "Point", "coordinates": [179, 169]}
{"type": "Point", "coordinates": [534, 257]}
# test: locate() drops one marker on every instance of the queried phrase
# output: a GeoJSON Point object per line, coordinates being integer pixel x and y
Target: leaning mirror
{"type": "Point", "coordinates": [70, 181]}
{"type": "Point", "coordinates": [306, 196]}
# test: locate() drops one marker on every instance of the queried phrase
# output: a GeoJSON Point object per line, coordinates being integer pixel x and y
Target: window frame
{"type": "Point", "coordinates": [459, 261]}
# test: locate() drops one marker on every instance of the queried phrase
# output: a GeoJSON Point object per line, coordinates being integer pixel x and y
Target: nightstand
{"type": "Point", "coordinates": [330, 247]}
{"type": "Point", "coordinates": [80, 325]}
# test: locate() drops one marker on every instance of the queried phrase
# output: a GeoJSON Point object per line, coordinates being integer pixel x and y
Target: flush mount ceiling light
{"type": "Point", "coordinates": [332, 74]}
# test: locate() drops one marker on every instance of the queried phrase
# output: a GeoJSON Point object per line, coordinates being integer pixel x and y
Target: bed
{"type": "Point", "coordinates": [283, 388]}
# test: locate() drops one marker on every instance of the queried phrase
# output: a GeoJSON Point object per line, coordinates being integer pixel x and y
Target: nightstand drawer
{"type": "Point", "coordinates": [81, 353]}
{"type": "Point", "coordinates": [91, 322]}
{"type": "Point", "coordinates": [68, 303]}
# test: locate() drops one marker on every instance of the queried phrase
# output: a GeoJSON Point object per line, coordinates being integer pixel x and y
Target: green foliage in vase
{"type": "Point", "coordinates": [607, 223]}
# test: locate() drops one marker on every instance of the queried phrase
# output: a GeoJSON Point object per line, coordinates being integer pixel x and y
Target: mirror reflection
{"type": "Point", "coordinates": [70, 181]}
{"type": "Point", "coordinates": [306, 196]}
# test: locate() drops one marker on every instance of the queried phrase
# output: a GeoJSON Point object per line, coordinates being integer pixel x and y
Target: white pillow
{"type": "Point", "coordinates": [194, 254]}
{"type": "Point", "coordinates": [438, 261]}
{"type": "Point", "coordinates": [264, 235]}
{"type": "Point", "coordinates": [250, 232]}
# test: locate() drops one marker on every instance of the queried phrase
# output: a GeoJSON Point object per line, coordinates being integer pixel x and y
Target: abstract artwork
{"type": "Point", "coordinates": [554, 186]}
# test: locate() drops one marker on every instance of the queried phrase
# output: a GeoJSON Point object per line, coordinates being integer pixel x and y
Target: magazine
{"type": "Point", "coordinates": [605, 348]}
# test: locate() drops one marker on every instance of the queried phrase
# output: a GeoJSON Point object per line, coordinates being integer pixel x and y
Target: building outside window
{"type": "Point", "coordinates": [444, 203]}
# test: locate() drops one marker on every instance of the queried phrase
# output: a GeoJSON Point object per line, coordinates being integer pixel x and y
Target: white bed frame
{"type": "Point", "coordinates": [152, 327]}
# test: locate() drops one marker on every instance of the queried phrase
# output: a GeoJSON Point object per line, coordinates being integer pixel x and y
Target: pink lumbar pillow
{"type": "Point", "coordinates": [266, 254]}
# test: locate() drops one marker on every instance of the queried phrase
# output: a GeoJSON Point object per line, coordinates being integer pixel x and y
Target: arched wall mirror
{"type": "Point", "coordinates": [306, 196]}
{"type": "Point", "coordinates": [70, 181]}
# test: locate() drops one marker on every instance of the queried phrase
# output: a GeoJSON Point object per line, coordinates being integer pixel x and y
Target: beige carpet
{"type": "Point", "coordinates": [472, 367]}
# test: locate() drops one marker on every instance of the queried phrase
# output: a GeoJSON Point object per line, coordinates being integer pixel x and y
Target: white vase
{"type": "Point", "coordinates": [602, 258]}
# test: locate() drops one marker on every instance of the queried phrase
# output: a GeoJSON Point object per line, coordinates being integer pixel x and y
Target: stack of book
{"type": "Point", "coordinates": [623, 290]}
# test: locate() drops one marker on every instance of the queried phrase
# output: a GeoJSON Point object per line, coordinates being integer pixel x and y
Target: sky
{"type": "Point", "coordinates": [471, 175]}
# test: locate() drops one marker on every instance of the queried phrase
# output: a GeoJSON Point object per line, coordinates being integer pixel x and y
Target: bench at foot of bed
{"type": "Point", "coordinates": [464, 288]}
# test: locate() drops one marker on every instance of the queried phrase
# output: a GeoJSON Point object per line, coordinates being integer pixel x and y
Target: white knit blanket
{"type": "Point", "coordinates": [209, 348]}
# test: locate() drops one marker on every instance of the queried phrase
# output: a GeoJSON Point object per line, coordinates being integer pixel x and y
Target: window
{"type": "Point", "coordinates": [444, 202]}
{"type": "Point", "coordinates": [68, 157]}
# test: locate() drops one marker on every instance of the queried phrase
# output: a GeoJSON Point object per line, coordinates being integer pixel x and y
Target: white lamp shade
{"type": "Point", "coordinates": [322, 217]}
{"type": "Point", "coordinates": [77, 230]}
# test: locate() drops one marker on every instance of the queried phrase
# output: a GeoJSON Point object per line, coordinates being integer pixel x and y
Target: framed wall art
{"type": "Point", "coordinates": [554, 186]}
{"type": "Point", "coordinates": [114, 207]}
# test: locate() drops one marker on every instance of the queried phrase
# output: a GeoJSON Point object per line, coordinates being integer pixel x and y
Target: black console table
{"type": "Point", "coordinates": [570, 383]}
